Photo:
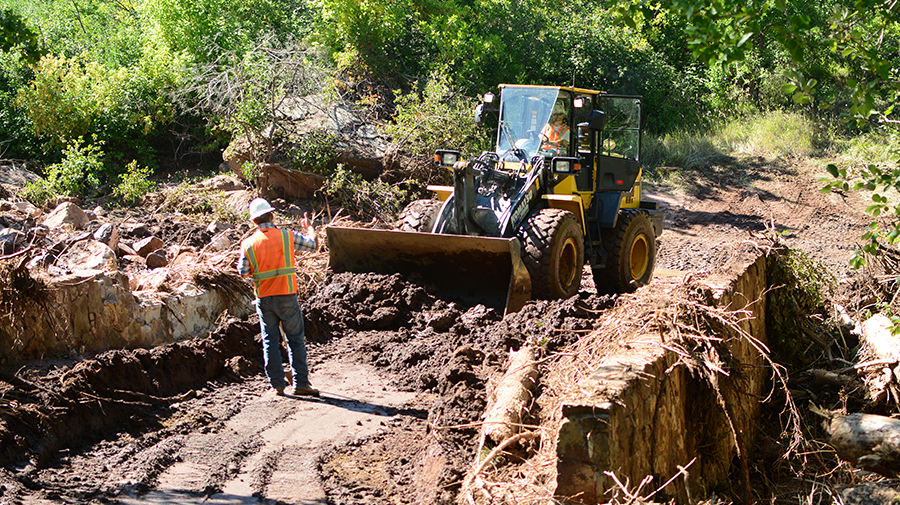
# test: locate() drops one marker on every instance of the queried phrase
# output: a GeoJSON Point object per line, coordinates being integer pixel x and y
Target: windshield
{"type": "Point", "coordinates": [525, 112]}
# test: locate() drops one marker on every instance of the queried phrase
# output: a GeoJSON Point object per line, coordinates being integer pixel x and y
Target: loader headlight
{"type": "Point", "coordinates": [446, 158]}
{"type": "Point", "coordinates": [565, 166]}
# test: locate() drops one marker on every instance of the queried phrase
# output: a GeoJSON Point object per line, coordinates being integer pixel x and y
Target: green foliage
{"type": "Point", "coordinates": [15, 35]}
{"type": "Point", "coordinates": [204, 30]}
{"type": "Point", "coordinates": [880, 181]}
{"type": "Point", "coordinates": [316, 152]}
{"type": "Point", "coordinates": [72, 97]}
{"type": "Point", "coordinates": [80, 169]}
{"type": "Point", "coordinates": [805, 290]}
{"type": "Point", "coordinates": [438, 118]}
{"type": "Point", "coordinates": [38, 192]}
{"type": "Point", "coordinates": [362, 198]}
{"type": "Point", "coordinates": [76, 175]}
{"type": "Point", "coordinates": [135, 183]}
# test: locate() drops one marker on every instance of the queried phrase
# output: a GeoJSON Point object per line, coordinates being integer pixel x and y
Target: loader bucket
{"type": "Point", "coordinates": [473, 270]}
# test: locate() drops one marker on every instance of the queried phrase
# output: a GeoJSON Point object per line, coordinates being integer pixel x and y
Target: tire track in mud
{"type": "Point", "coordinates": [268, 451]}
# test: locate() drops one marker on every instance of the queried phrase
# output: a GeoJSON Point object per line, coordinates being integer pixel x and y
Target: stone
{"type": "Point", "coordinates": [67, 213]}
{"type": "Point", "coordinates": [108, 234]}
{"type": "Point", "coordinates": [125, 250]}
{"type": "Point", "coordinates": [147, 245]}
{"type": "Point", "coordinates": [27, 209]}
{"type": "Point", "coordinates": [219, 243]}
{"type": "Point", "coordinates": [217, 227]}
{"type": "Point", "coordinates": [222, 182]}
{"type": "Point", "coordinates": [136, 229]}
{"type": "Point", "coordinates": [10, 240]}
{"type": "Point", "coordinates": [157, 259]}
{"type": "Point", "coordinates": [99, 212]}
{"type": "Point", "coordinates": [88, 255]}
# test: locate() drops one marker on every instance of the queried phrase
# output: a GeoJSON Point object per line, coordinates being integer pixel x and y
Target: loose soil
{"type": "Point", "coordinates": [404, 373]}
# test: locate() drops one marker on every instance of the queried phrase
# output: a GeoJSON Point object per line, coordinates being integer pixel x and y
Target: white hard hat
{"type": "Point", "coordinates": [259, 207]}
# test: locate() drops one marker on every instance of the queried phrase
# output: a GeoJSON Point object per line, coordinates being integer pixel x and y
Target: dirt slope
{"type": "Point", "coordinates": [405, 376]}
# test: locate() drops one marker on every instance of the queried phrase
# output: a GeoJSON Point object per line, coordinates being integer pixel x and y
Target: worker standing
{"type": "Point", "coordinates": [268, 256]}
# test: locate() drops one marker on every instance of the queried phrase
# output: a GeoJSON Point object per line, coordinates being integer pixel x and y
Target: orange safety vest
{"type": "Point", "coordinates": [552, 134]}
{"type": "Point", "coordinates": [271, 256]}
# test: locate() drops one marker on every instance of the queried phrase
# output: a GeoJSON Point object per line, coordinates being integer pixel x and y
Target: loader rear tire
{"type": "Point", "coordinates": [419, 216]}
{"type": "Point", "coordinates": [631, 254]}
{"type": "Point", "coordinates": [553, 244]}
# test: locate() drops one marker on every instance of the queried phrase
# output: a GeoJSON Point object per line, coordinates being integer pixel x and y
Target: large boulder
{"type": "Point", "coordinates": [360, 147]}
{"type": "Point", "coordinates": [88, 255]}
{"type": "Point", "coordinates": [67, 214]}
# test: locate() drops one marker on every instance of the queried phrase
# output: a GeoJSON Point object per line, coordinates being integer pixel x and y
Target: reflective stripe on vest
{"type": "Point", "coordinates": [272, 262]}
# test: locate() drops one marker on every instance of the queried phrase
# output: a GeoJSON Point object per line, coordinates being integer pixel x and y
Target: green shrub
{"type": "Point", "coordinates": [436, 118]}
{"type": "Point", "coordinates": [135, 183]}
{"type": "Point", "coordinates": [316, 152]}
{"type": "Point", "coordinates": [79, 171]}
{"type": "Point", "coordinates": [364, 199]}
{"type": "Point", "coordinates": [72, 97]}
{"type": "Point", "coordinates": [38, 192]}
{"type": "Point", "coordinates": [78, 174]}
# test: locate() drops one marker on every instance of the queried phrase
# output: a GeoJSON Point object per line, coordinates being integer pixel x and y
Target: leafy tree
{"type": "Point", "coordinates": [863, 38]}
{"type": "Point", "coordinates": [16, 35]}
{"type": "Point", "coordinates": [73, 97]}
{"type": "Point", "coordinates": [204, 30]}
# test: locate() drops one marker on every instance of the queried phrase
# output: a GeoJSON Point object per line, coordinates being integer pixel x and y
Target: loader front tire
{"type": "Point", "coordinates": [631, 254]}
{"type": "Point", "coordinates": [419, 216]}
{"type": "Point", "coordinates": [553, 253]}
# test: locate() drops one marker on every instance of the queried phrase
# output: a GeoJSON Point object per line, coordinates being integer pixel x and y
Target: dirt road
{"type": "Point", "coordinates": [271, 445]}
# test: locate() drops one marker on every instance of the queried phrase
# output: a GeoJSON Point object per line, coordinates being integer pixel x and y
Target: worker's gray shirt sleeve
{"type": "Point", "coordinates": [303, 243]}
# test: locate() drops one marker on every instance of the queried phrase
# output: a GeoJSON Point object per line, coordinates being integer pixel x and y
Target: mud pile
{"type": "Point", "coordinates": [446, 350]}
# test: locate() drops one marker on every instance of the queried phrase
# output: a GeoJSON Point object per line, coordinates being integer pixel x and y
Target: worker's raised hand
{"type": "Point", "coordinates": [305, 224]}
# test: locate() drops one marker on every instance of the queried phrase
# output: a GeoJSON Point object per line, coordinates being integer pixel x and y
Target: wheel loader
{"type": "Point", "coordinates": [561, 189]}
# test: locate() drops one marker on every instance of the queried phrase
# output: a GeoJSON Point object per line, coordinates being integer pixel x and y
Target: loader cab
{"type": "Point", "coordinates": [527, 119]}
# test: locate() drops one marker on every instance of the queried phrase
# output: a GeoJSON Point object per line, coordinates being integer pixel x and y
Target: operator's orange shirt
{"type": "Point", "coordinates": [552, 134]}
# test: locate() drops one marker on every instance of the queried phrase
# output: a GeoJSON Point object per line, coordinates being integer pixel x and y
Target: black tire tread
{"type": "Point", "coordinates": [419, 216]}
{"type": "Point", "coordinates": [609, 280]}
{"type": "Point", "coordinates": [537, 234]}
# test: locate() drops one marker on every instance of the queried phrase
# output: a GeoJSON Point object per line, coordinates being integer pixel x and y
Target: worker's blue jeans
{"type": "Point", "coordinates": [283, 309]}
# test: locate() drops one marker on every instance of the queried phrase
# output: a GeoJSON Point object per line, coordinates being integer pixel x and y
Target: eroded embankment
{"type": "Point", "coordinates": [671, 390]}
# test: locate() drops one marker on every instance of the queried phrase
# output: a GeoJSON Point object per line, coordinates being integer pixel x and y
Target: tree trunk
{"type": "Point", "coordinates": [512, 396]}
{"type": "Point", "coordinates": [867, 441]}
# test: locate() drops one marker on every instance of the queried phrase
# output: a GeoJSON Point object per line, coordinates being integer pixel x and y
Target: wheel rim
{"type": "Point", "coordinates": [568, 259]}
{"type": "Point", "coordinates": [640, 257]}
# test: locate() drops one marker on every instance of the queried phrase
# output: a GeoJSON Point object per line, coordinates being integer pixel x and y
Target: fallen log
{"type": "Point", "coordinates": [867, 441]}
{"type": "Point", "coordinates": [879, 357]}
{"type": "Point", "coordinates": [511, 397]}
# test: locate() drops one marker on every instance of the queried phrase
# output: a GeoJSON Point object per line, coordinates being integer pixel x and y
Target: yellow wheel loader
{"type": "Point", "coordinates": [561, 189]}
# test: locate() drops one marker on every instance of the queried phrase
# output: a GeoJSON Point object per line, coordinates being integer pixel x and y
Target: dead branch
{"type": "Point", "coordinates": [466, 489]}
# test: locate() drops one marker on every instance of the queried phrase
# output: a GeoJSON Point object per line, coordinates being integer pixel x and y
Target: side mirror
{"type": "Point", "coordinates": [597, 120]}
